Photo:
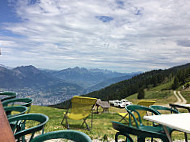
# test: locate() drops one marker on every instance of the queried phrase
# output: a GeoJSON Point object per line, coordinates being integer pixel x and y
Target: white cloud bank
{"type": "Point", "coordinates": [120, 35]}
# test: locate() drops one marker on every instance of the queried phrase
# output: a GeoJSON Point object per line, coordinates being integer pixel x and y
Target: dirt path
{"type": "Point", "coordinates": [180, 98]}
{"type": "Point", "coordinates": [184, 101]}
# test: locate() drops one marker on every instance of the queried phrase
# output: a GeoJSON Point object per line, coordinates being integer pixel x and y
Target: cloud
{"type": "Point", "coordinates": [184, 43]}
{"type": "Point", "coordinates": [119, 35]}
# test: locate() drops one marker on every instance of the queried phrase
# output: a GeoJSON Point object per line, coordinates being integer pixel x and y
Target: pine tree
{"type": "Point", "coordinates": [141, 94]}
{"type": "Point", "coordinates": [176, 83]}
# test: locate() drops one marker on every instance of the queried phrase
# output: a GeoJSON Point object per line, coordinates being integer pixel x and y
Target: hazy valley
{"type": "Point", "coordinates": [49, 87]}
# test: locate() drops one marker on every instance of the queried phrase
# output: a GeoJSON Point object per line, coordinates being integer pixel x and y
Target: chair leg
{"type": "Point", "coordinates": [128, 138]}
{"type": "Point", "coordinates": [165, 139]}
{"type": "Point", "coordinates": [32, 136]}
{"type": "Point", "coordinates": [63, 120]}
{"type": "Point", "coordinates": [84, 122]}
{"type": "Point", "coordinates": [140, 139]}
{"type": "Point", "coordinates": [91, 118]}
{"type": "Point", "coordinates": [123, 118]}
{"type": "Point", "coordinates": [116, 136]}
{"type": "Point", "coordinates": [67, 124]}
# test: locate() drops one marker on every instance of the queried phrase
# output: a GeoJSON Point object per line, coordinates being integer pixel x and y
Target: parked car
{"type": "Point", "coordinates": [113, 101]}
{"type": "Point", "coordinates": [117, 103]}
{"type": "Point", "coordinates": [126, 102]}
{"type": "Point", "coordinates": [121, 103]}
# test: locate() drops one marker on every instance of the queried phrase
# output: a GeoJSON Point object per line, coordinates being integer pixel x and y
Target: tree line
{"type": "Point", "coordinates": [182, 78]}
{"type": "Point", "coordinates": [138, 83]}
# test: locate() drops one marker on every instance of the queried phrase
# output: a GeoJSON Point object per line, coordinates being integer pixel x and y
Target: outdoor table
{"type": "Point", "coordinates": [176, 121]}
{"type": "Point", "coordinates": [6, 134]}
{"type": "Point", "coordinates": [185, 106]}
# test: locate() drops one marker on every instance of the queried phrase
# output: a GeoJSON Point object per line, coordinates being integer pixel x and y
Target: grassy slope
{"type": "Point", "coordinates": [102, 122]}
{"type": "Point", "coordinates": [159, 93]}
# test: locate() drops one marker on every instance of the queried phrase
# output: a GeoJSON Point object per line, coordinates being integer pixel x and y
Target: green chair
{"type": "Point", "coordinates": [126, 131]}
{"type": "Point", "coordinates": [7, 95]}
{"type": "Point", "coordinates": [65, 134]}
{"type": "Point", "coordinates": [13, 111]}
{"type": "Point", "coordinates": [27, 124]}
{"type": "Point", "coordinates": [136, 127]}
{"type": "Point", "coordinates": [147, 103]}
{"type": "Point", "coordinates": [82, 108]}
{"type": "Point", "coordinates": [19, 102]}
{"type": "Point", "coordinates": [163, 109]}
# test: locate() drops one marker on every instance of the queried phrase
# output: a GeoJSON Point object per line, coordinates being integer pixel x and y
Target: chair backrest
{"type": "Point", "coordinates": [163, 109]}
{"type": "Point", "coordinates": [18, 102]}
{"type": "Point", "coordinates": [146, 103]}
{"type": "Point", "coordinates": [7, 95]}
{"type": "Point", "coordinates": [82, 105]}
{"type": "Point", "coordinates": [13, 111]}
{"type": "Point", "coordinates": [22, 121]}
{"type": "Point", "coordinates": [134, 113]}
{"type": "Point", "coordinates": [66, 134]}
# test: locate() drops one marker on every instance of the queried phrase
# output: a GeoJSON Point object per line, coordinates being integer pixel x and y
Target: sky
{"type": "Point", "coordinates": [118, 35]}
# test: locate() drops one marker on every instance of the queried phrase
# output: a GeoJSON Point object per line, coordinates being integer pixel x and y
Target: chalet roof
{"type": "Point", "coordinates": [103, 104]}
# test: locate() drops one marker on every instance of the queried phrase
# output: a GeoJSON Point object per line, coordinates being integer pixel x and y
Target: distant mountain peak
{"type": "Point", "coordinates": [26, 69]}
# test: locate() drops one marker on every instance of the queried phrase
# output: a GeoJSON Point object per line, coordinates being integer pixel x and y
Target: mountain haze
{"type": "Point", "coordinates": [86, 77]}
{"type": "Point", "coordinates": [49, 86]}
{"type": "Point", "coordinates": [110, 81]}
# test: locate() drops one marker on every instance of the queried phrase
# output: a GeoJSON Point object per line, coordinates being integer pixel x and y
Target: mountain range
{"type": "Point", "coordinates": [56, 85]}
{"type": "Point", "coordinates": [174, 77]}
{"type": "Point", "coordinates": [24, 76]}
{"type": "Point", "coordinates": [86, 77]}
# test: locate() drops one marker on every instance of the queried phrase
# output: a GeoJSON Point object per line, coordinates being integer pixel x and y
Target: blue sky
{"type": "Point", "coordinates": [118, 35]}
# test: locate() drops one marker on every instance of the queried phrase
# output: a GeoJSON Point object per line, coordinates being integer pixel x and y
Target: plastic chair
{"type": "Point", "coordinates": [147, 103]}
{"type": "Point", "coordinates": [66, 134]}
{"type": "Point", "coordinates": [15, 111]}
{"type": "Point", "coordinates": [21, 121]}
{"type": "Point", "coordinates": [126, 131]}
{"type": "Point", "coordinates": [138, 128]}
{"type": "Point", "coordinates": [19, 102]}
{"type": "Point", "coordinates": [163, 109]}
{"type": "Point", "coordinates": [8, 95]}
{"type": "Point", "coordinates": [81, 108]}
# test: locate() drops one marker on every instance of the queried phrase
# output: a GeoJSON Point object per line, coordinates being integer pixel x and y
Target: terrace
{"type": "Point", "coordinates": [102, 127]}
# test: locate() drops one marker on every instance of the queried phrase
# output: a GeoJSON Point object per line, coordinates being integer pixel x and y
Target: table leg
{"type": "Point", "coordinates": [185, 134]}
{"type": "Point", "coordinates": [167, 133]}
